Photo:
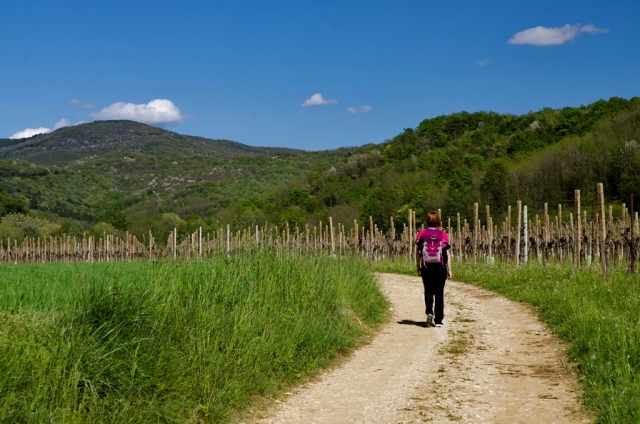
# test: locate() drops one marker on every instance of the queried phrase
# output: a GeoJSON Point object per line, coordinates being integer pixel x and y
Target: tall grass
{"type": "Point", "coordinates": [172, 341]}
{"type": "Point", "coordinates": [600, 319]}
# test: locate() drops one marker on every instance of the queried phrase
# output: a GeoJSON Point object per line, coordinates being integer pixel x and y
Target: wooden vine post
{"type": "Point", "coordinates": [489, 231]}
{"type": "Point", "coordinates": [393, 231]}
{"type": "Point", "coordinates": [547, 235]}
{"type": "Point", "coordinates": [475, 232]}
{"type": "Point", "coordinates": [603, 229]}
{"type": "Point", "coordinates": [509, 232]}
{"type": "Point", "coordinates": [525, 236]}
{"type": "Point", "coordinates": [560, 220]}
{"type": "Point", "coordinates": [228, 241]}
{"type": "Point", "coordinates": [459, 237]}
{"type": "Point", "coordinates": [518, 224]}
{"type": "Point", "coordinates": [410, 237]}
{"type": "Point", "coordinates": [578, 236]}
{"type": "Point", "coordinates": [549, 239]}
{"type": "Point", "coordinates": [356, 235]}
{"type": "Point", "coordinates": [632, 264]}
{"type": "Point", "coordinates": [611, 218]}
{"type": "Point", "coordinates": [333, 247]}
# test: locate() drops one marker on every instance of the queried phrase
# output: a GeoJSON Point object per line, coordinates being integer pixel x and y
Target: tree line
{"type": "Point", "coordinates": [448, 162]}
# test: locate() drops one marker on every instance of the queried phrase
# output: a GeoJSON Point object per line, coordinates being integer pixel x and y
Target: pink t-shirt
{"type": "Point", "coordinates": [445, 236]}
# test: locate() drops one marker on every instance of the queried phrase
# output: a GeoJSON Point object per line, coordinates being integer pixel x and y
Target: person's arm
{"type": "Point", "coordinates": [448, 256]}
{"type": "Point", "coordinates": [418, 260]}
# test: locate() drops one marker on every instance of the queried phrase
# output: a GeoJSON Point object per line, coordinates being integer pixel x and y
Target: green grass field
{"type": "Point", "coordinates": [173, 342]}
{"type": "Point", "coordinates": [600, 320]}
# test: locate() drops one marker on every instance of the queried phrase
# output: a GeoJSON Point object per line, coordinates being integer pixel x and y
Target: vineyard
{"type": "Point", "coordinates": [518, 238]}
{"type": "Point", "coordinates": [118, 312]}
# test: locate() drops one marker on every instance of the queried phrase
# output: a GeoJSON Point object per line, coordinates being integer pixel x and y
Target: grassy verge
{"type": "Point", "coordinates": [399, 266]}
{"type": "Point", "coordinates": [172, 342]}
{"type": "Point", "coordinates": [600, 320]}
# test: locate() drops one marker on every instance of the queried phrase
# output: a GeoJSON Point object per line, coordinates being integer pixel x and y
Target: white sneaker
{"type": "Point", "coordinates": [439, 325]}
{"type": "Point", "coordinates": [430, 320]}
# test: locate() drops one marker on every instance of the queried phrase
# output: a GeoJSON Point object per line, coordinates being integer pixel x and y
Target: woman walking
{"type": "Point", "coordinates": [433, 265]}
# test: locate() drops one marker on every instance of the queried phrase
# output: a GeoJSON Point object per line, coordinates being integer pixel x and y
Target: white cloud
{"type": "Point", "coordinates": [317, 100]}
{"type": "Point", "coordinates": [64, 122]}
{"type": "Point", "coordinates": [158, 111]}
{"type": "Point", "coordinates": [483, 62]}
{"type": "Point", "coordinates": [543, 36]}
{"type": "Point", "coordinates": [83, 105]}
{"type": "Point", "coordinates": [363, 109]}
{"type": "Point", "coordinates": [29, 132]}
{"type": "Point", "coordinates": [592, 29]}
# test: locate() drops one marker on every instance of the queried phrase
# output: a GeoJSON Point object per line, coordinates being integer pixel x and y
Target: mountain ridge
{"type": "Point", "coordinates": [121, 137]}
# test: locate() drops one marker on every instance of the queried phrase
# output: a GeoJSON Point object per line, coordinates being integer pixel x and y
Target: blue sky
{"type": "Point", "coordinates": [243, 70]}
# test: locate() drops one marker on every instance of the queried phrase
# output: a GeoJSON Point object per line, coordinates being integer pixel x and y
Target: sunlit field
{"type": "Point", "coordinates": [173, 341]}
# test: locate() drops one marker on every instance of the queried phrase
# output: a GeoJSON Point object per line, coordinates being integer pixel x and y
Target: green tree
{"type": "Point", "coordinates": [111, 213]}
{"type": "Point", "coordinates": [460, 194]}
{"type": "Point", "coordinates": [312, 204]}
{"type": "Point", "coordinates": [10, 204]}
{"type": "Point", "coordinates": [102, 228]}
{"type": "Point", "coordinates": [454, 126]}
{"type": "Point", "coordinates": [297, 196]}
{"type": "Point", "coordinates": [630, 177]}
{"type": "Point", "coordinates": [494, 187]}
{"type": "Point", "coordinates": [165, 225]}
{"type": "Point", "coordinates": [381, 204]}
{"type": "Point", "coordinates": [334, 191]}
{"type": "Point", "coordinates": [69, 227]}
{"type": "Point", "coordinates": [402, 146]}
{"type": "Point", "coordinates": [293, 215]}
{"type": "Point", "coordinates": [433, 131]}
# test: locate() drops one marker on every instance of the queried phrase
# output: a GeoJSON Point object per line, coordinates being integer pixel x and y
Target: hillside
{"type": "Point", "coordinates": [148, 178]}
{"type": "Point", "coordinates": [129, 174]}
{"type": "Point", "coordinates": [123, 138]}
{"type": "Point", "coordinates": [451, 161]}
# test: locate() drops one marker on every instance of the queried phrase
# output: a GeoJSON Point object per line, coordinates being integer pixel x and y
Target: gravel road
{"type": "Point", "coordinates": [492, 362]}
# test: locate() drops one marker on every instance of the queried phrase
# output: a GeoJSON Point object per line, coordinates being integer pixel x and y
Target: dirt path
{"type": "Point", "coordinates": [492, 362]}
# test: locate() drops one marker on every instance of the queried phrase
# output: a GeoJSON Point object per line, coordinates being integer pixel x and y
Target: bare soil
{"type": "Point", "coordinates": [492, 362]}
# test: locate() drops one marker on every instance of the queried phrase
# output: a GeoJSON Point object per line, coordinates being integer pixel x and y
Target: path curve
{"type": "Point", "coordinates": [492, 362]}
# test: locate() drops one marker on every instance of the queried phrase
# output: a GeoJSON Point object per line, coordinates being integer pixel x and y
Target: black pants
{"type": "Point", "coordinates": [433, 279]}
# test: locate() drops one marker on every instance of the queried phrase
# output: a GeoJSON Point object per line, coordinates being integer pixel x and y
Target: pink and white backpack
{"type": "Point", "coordinates": [431, 242]}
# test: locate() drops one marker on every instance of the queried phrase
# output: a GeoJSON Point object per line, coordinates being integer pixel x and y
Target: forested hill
{"type": "Point", "coordinates": [120, 175]}
{"type": "Point", "coordinates": [450, 162]}
{"type": "Point", "coordinates": [124, 138]}
{"type": "Point", "coordinates": [492, 135]}
{"type": "Point", "coordinates": [134, 177]}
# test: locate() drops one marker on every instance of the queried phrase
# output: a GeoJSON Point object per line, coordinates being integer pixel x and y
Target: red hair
{"type": "Point", "coordinates": [433, 220]}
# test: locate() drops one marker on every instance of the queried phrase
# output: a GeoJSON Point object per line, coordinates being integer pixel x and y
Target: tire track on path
{"type": "Point", "coordinates": [492, 362]}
